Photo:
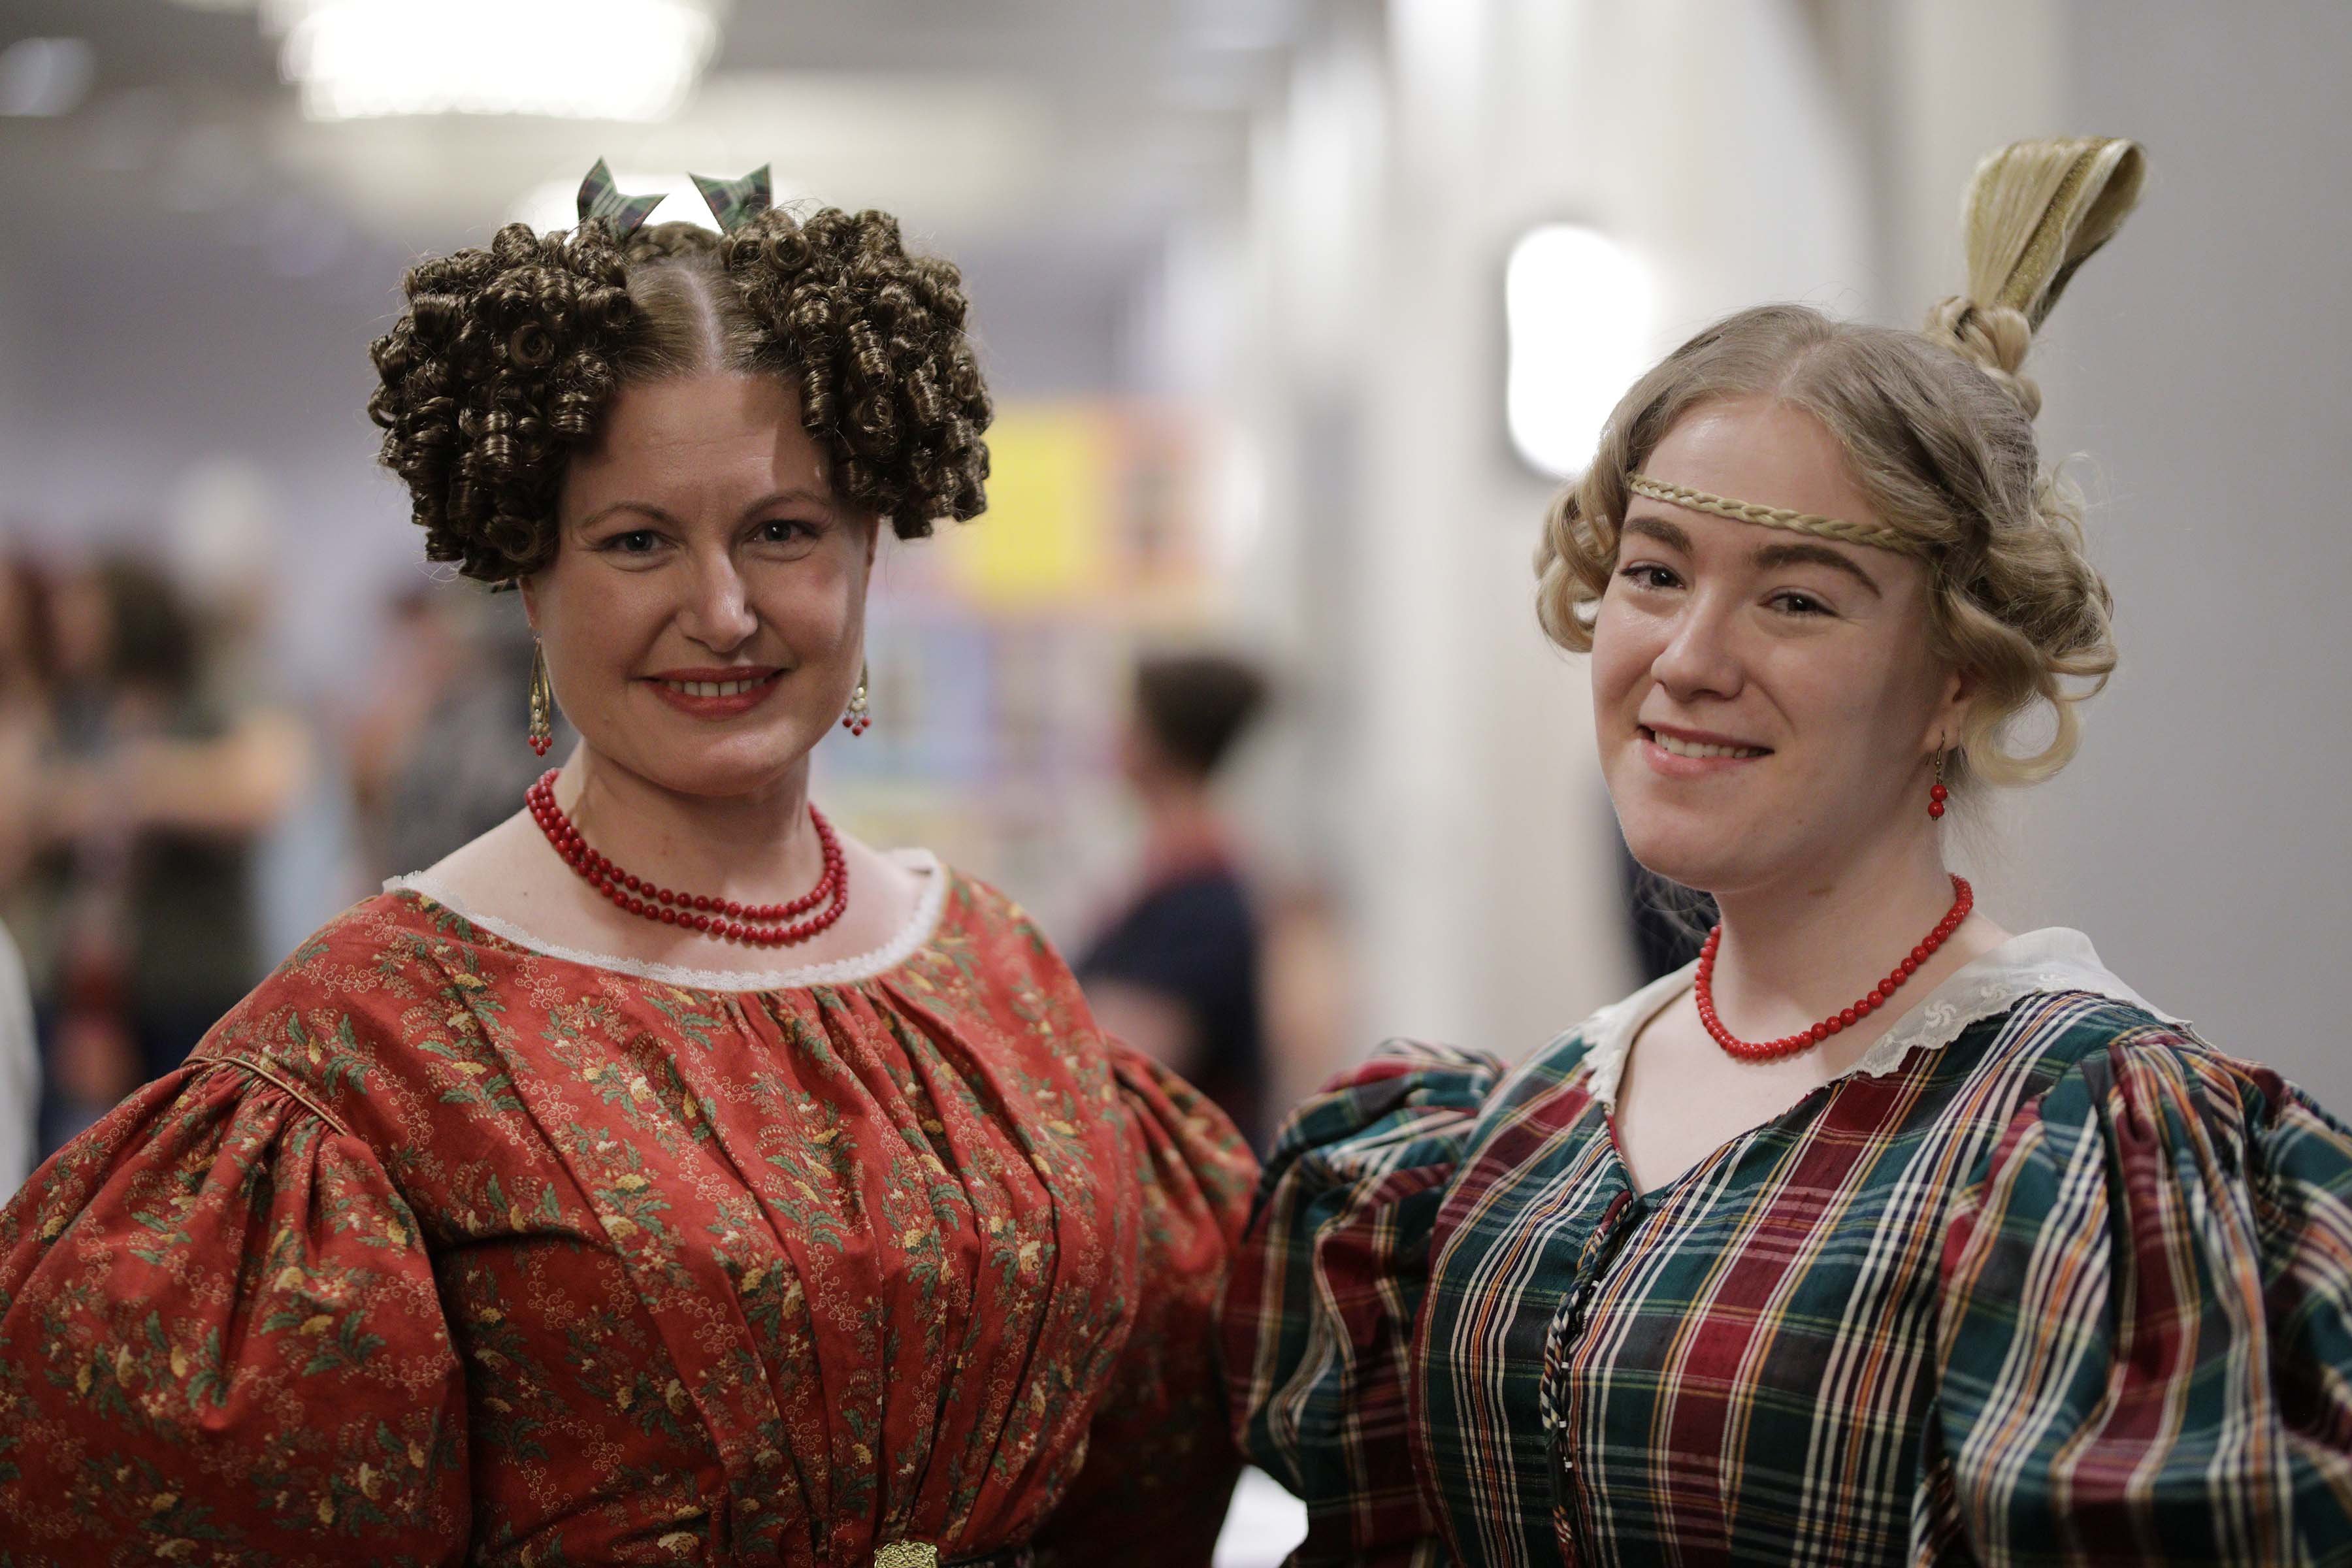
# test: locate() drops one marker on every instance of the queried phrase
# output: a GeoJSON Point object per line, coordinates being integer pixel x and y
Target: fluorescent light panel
{"type": "Point", "coordinates": [575, 59]}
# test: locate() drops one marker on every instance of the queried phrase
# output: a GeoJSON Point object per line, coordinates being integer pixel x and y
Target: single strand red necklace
{"type": "Point", "coordinates": [1964, 899]}
{"type": "Point", "coordinates": [759, 925]}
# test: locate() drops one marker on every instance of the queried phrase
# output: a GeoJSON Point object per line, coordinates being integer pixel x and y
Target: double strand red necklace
{"type": "Point", "coordinates": [1964, 899]}
{"type": "Point", "coordinates": [760, 925]}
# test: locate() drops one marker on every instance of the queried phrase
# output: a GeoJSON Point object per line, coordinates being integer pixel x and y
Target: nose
{"type": "Point", "coordinates": [717, 612]}
{"type": "Point", "coordinates": [1701, 659]}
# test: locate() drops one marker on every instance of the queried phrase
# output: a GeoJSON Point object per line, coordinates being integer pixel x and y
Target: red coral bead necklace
{"type": "Point", "coordinates": [1964, 899]}
{"type": "Point", "coordinates": [759, 925]}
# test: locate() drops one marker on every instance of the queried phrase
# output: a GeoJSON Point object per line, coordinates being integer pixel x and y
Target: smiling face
{"type": "Point", "coordinates": [704, 616]}
{"type": "Point", "coordinates": [1766, 700]}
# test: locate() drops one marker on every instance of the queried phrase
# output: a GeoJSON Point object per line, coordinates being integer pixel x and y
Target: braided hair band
{"type": "Point", "coordinates": [1869, 534]}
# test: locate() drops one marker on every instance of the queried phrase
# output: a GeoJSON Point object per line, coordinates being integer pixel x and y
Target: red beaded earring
{"type": "Point", "coordinates": [856, 721]}
{"type": "Point", "coordinates": [1937, 793]}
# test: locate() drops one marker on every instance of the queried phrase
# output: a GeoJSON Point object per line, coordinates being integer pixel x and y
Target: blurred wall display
{"type": "Point", "coordinates": [999, 651]}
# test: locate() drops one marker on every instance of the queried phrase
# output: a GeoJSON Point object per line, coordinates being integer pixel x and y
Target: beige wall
{"type": "Point", "coordinates": [2197, 368]}
{"type": "Point", "coordinates": [2205, 366]}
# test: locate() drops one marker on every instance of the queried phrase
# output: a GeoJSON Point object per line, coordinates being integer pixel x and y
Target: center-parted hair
{"type": "Point", "coordinates": [508, 356]}
{"type": "Point", "coordinates": [1939, 428]}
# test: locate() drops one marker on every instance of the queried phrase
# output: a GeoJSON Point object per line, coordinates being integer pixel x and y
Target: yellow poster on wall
{"type": "Point", "coordinates": [1046, 539]}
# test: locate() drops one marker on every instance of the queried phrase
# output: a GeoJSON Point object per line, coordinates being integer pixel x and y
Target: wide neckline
{"type": "Point", "coordinates": [2052, 959]}
{"type": "Point", "coordinates": [912, 934]}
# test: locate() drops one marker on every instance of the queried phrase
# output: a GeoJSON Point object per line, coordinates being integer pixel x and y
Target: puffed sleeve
{"type": "Point", "coordinates": [1160, 1466]}
{"type": "Point", "coordinates": [2146, 1333]}
{"type": "Point", "coordinates": [1319, 1316]}
{"type": "Point", "coordinates": [220, 1342]}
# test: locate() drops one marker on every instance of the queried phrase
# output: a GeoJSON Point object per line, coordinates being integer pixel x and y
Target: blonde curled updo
{"type": "Point", "coordinates": [1938, 426]}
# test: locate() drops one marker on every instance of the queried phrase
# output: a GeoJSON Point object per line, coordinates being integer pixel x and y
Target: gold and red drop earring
{"type": "Point", "coordinates": [543, 703]}
{"type": "Point", "coordinates": [1937, 794]}
{"type": "Point", "coordinates": [857, 721]}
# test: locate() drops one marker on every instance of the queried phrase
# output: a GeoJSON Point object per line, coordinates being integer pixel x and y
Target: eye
{"type": "Point", "coordinates": [785, 531]}
{"type": "Point", "coordinates": [1649, 574]}
{"type": "Point", "coordinates": [636, 541]}
{"type": "Point", "coordinates": [1789, 601]}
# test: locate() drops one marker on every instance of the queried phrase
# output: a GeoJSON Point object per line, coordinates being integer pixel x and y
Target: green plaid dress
{"type": "Point", "coordinates": [2044, 1279]}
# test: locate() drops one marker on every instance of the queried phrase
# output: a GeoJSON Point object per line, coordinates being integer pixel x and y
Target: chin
{"type": "Point", "coordinates": [1705, 855]}
{"type": "Point", "coordinates": [718, 766]}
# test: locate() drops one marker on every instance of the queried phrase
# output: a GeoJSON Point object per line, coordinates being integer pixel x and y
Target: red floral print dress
{"type": "Point", "coordinates": [445, 1247]}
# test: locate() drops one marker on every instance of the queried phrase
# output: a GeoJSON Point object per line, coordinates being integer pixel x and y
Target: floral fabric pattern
{"type": "Point", "coordinates": [441, 1249]}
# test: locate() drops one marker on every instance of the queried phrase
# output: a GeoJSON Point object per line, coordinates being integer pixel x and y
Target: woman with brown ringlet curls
{"type": "Point", "coordinates": [665, 1177]}
{"type": "Point", "coordinates": [1879, 1235]}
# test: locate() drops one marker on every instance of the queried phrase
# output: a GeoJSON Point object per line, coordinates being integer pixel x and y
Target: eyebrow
{"type": "Point", "coordinates": [646, 508]}
{"type": "Point", "coordinates": [1790, 553]}
{"type": "Point", "coordinates": [1671, 534]}
{"type": "Point", "coordinates": [1794, 553]}
{"type": "Point", "coordinates": [797, 493]}
{"type": "Point", "coordinates": [658, 515]}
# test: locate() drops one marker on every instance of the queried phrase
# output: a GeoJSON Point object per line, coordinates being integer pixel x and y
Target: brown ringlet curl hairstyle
{"type": "Point", "coordinates": [507, 356]}
{"type": "Point", "coordinates": [1939, 428]}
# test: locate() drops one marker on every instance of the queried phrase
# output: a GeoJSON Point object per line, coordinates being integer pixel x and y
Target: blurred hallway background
{"type": "Point", "coordinates": [1295, 309]}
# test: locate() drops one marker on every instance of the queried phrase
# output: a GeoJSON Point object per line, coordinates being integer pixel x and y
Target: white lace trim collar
{"type": "Point", "coordinates": [902, 945]}
{"type": "Point", "coordinates": [2031, 963]}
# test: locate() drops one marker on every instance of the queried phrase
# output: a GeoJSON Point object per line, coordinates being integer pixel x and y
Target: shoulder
{"type": "Point", "coordinates": [348, 954]}
{"type": "Point", "coordinates": [2144, 1058]}
{"type": "Point", "coordinates": [978, 913]}
{"type": "Point", "coordinates": [1215, 894]}
{"type": "Point", "coordinates": [2146, 1097]}
{"type": "Point", "coordinates": [2040, 1016]}
{"type": "Point", "coordinates": [1409, 1106]}
{"type": "Point", "coordinates": [980, 965]}
{"type": "Point", "coordinates": [1420, 1102]}
{"type": "Point", "coordinates": [2055, 1034]}
{"type": "Point", "coordinates": [338, 1016]}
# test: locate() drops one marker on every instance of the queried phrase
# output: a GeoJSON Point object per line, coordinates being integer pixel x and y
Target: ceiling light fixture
{"type": "Point", "coordinates": [573, 59]}
{"type": "Point", "coordinates": [1580, 310]}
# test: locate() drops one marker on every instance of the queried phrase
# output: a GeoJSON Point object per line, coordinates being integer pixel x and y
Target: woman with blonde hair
{"type": "Point", "coordinates": [664, 1176]}
{"type": "Point", "coordinates": [1879, 1234]}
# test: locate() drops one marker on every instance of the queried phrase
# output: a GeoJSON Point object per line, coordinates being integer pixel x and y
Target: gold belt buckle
{"type": "Point", "coordinates": [907, 1554]}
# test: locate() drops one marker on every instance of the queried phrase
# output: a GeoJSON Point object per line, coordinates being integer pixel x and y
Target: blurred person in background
{"type": "Point", "coordinates": [1176, 975]}
{"type": "Point", "coordinates": [433, 762]}
{"type": "Point", "coordinates": [1878, 1234]}
{"type": "Point", "coordinates": [224, 549]}
{"type": "Point", "coordinates": [531, 1211]}
{"type": "Point", "coordinates": [152, 806]}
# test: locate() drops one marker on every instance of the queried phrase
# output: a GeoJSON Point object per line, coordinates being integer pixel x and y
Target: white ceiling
{"type": "Point", "coordinates": [1049, 142]}
{"type": "Point", "coordinates": [986, 114]}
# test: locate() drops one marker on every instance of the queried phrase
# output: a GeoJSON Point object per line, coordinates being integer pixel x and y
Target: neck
{"type": "Point", "coordinates": [1182, 827]}
{"type": "Point", "coordinates": [754, 847]}
{"type": "Point", "coordinates": [1801, 948]}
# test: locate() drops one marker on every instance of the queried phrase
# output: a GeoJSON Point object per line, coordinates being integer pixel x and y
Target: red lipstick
{"type": "Point", "coordinates": [739, 689]}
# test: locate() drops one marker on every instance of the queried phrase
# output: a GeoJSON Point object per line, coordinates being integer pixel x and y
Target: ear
{"type": "Point", "coordinates": [875, 525]}
{"type": "Point", "coordinates": [528, 588]}
{"type": "Point", "coordinates": [1949, 721]}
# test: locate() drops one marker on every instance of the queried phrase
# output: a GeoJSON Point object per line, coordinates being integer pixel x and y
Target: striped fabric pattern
{"type": "Point", "coordinates": [2069, 1288]}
